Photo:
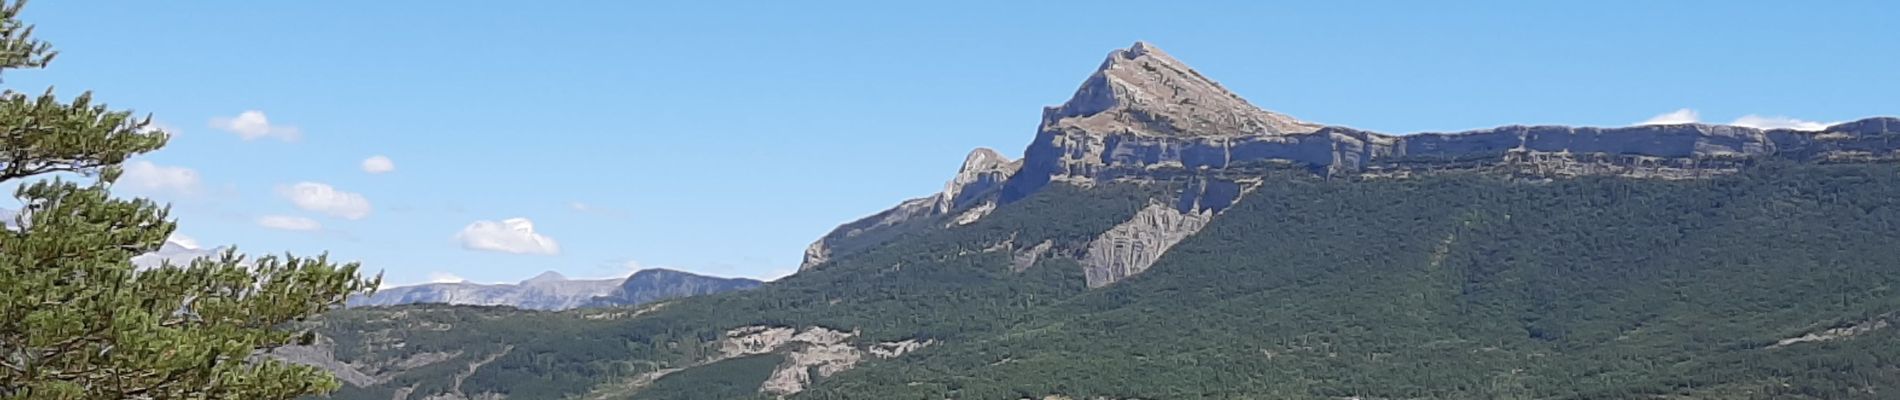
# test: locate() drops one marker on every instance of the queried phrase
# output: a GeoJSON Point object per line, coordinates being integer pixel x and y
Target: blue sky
{"type": "Point", "coordinates": [723, 137]}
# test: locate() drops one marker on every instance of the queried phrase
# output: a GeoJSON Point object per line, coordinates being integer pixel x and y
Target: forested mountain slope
{"type": "Point", "coordinates": [1776, 283]}
{"type": "Point", "coordinates": [1162, 238]}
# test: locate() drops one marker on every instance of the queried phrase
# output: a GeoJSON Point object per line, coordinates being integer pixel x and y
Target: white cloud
{"type": "Point", "coordinates": [253, 125]}
{"type": "Point", "coordinates": [378, 164]}
{"type": "Point", "coordinates": [289, 223]}
{"type": "Point", "coordinates": [1682, 116]}
{"type": "Point", "coordinates": [1778, 122]}
{"type": "Point", "coordinates": [318, 197]}
{"type": "Point", "coordinates": [513, 235]}
{"type": "Point", "coordinates": [586, 208]}
{"type": "Point", "coordinates": [144, 176]}
{"type": "Point", "coordinates": [444, 277]}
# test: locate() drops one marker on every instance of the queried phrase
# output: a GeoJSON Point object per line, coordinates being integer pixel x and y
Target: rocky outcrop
{"type": "Point", "coordinates": [1144, 111]}
{"type": "Point", "coordinates": [753, 340]}
{"type": "Point", "coordinates": [1022, 259]}
{"type": "Point", "coordinates": [1142, 108]}
{"type": "Point", "coordinates": [983, 171]}
{"type": "Point", "coordinates": [899, 348]}
{"type": "Point", "coordinates": [1838, 333]}
{"type": "Point", "coordinates": [1144, 91]}
{"type": "Point", "coordinates": [820, 352]}
{"type": "Point", "coordinates": [972, 191]}
{"type": "Point", "coordinates": [810, 354]}
{"type": "Point", "coordinates": [1133, 246]}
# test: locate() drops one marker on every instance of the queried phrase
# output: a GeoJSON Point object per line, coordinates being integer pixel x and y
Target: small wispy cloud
{"type": "Point", "coordinates": [320, 197]}
{"type": "Point", "coordinates": [1680, 116]}
{"type": "Point", "coordinates": [289, 223]}
{"type": "Point", "coordinates": [378, 164]}
{"type": "Point", "coordinates": [1778, 122]}
{"type": "Point", "coordinates": [1757, 121]}
{"type": "Point", "coordinates": [513, 235]}
{"type": "Point", "coordinates": [146, 177]}
{"type": "Point", "coordinates": [589, 208]}
{"type": "Point", "coordinates": [253, 125]}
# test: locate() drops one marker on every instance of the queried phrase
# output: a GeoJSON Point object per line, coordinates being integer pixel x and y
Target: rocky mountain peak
{"type": "Point", "coordinates": [545, 277]}
{"type": "Point", "coordinates": [982, 159]}
{"type": "Point", "coordinates": [984, 169]}
{"type": "Point", "coordinates": [1143, 90]}
{"type": "Point", "coordinates": [655, 273]}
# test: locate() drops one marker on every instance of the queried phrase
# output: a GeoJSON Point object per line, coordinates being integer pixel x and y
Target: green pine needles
{"type": "Point", "coordinates": [79, 321]}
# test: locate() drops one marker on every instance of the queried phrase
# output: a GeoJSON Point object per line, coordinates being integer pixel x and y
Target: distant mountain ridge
{"type": "Point", "coordinates": [656, 284]}
{"type": "Point", "coordinates": [553, 291]}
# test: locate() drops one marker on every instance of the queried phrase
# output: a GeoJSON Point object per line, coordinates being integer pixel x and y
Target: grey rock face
{"type": "Point", "coordinates": [1133, 246]}
{"type": "Point", "coordinates": [1144, 91]}
{"type": "Point", "coordinates": [814, 352]}
{"type": "Point", "coordinates": [983, 173]}
{"type": "Point", "coordinates": [1022, 259]}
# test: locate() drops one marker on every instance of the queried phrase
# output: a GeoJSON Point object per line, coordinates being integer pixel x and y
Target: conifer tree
{"type": "Point", "coordinates": [78, 320]}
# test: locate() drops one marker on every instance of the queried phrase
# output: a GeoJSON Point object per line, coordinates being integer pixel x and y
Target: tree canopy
{"type": "Point", "coordinates": [78, 320]}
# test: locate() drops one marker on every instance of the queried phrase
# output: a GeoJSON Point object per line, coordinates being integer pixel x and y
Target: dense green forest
{"type": "Point", "coordinates": [1472, 286]}
{"type": "Point", "coordinates": [1449, 285]}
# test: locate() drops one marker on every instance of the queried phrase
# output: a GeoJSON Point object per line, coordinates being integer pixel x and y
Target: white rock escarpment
{"type": "Point", "coordinates": [899, 348]}
{"type": "Point", "coordinates": [817, 350]}
{"type": "Point", "coordinates": [1133, 246]}
{"type": "Point", "coordinates": [755, 340]}
{"type": "Point", "coordinates": [1839, 333]}
{"type": "Point", "coordinates": [825, 353]}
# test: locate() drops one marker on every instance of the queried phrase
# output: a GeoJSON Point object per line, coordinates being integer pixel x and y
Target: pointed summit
{"type": "Point", "coordinates": [983, 159]}
{"type": "Point", "coordinates": [982, 170]}
{"type": "Point", "coordinates": [545, 277]}
{"type": "Point", "coordinates": [1145, 91]}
